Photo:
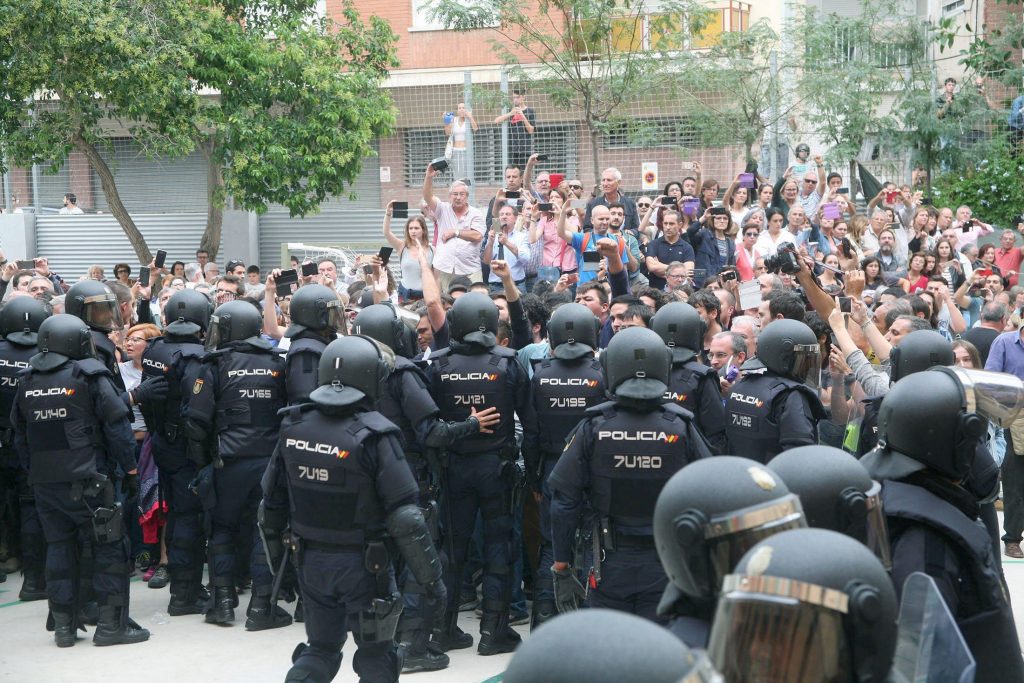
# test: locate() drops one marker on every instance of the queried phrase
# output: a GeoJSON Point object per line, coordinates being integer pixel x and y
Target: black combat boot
{"type": "Point", "coordinates": [459, 640]}
{"type": "Point", "coordinates": [417, 654]}
{"type": "Point", "coordinates": [113, 629]}
{"type": "Point", "coordinates": [543, 610]}
{"type": "Point", "coordinates": [222, 611]}
{"type": "Point", "coordinates": [185, 599]}
{"type": "Point", "coordinates": [496, 636]}
{"type": "Point", "coordinates": [63, 627]}
{"type": "Point", "coordinates": [33, 587]}
{"type": "Point", "coordinates": [262, 615]}
{"type": "Point", "coordinates": [314, 663]}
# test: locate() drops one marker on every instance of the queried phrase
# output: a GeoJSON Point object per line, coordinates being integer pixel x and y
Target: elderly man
{"type": "Point", "coordinates": [879, 222]}
{"type": "Point", "coordinates": [611, 178]}
{"type": "Point", "coordinates": [211, 271]}
{"type": "Point", "coordinates": [748, 327]}
{"type": "Point", "coordinates": [460, 230]}
{"type": "Point", "coordinates": [811, 188]}
{"type": "Point", "coordinates": [728, 349]}
{"type": "Point", "coordinates": [1008, 256]}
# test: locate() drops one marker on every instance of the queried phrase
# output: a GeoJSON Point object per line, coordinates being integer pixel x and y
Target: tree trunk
{"type": "Point", "coordinates": [855, 184]}
{"type": "Point", "coordinates": [214, 200]}
{"type": "Point", "coordinates": [595, 160]}
{"type": "Point", "coordinates": [117, 207]}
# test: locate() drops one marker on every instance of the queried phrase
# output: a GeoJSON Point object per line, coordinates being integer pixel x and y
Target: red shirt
{"type": "Point", "coordinates": [1007, 260]}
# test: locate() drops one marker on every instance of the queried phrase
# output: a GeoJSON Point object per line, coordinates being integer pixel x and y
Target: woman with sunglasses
{"type": "Point", "coordinates": [746, 253]}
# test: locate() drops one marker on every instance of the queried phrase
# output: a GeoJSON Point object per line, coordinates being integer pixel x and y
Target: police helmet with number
{"type": "Point", "coordinates": [637, 365]}
{"type": "Point", "coordinates": [682, 328]}
{"type": "Point", "coordinates": [316, 308]}
{"type": "Point", "coordinates": [187, 313]}
{"type": "Point", "coordinates": [474, 320]}
{"type": "Point", "coordinates": [93, 302]}
{"type": "Point", "coordinates": [573, 332]}
{"type": "Point", "coordinates": [20, 319]}
{"type": "Point", "coordinates": [234, 321]}
{"type": "Point", "coordinates": [352, 369]}
{"type": "Point", "coordinates": [381, 322]}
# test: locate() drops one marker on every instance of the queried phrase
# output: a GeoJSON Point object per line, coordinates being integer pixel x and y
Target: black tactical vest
{"type": "Point", "coordinates": [561, 392]}
{"type": "Point", "coordinates": [984, 615]}
{"type": "Point", "coordinates": [13, 360]}
{"type": "Point", "coordinates": [633, 455]}
{"type": "Point", "coordinates": [685, 385]}
{"type": "Point", "coordinates": [250, 391]}
{"type": "Point", "coordinates": [407, 408]}
{"type": "Point", "coordinates": [461, 382]}
{"type": "Point", "coordinates": [869, 425]}
{"type": "Point", "coordinates": [751, 427]}
{"type": "Point", "coordinates": [106, 352]}
{"type": "Point", "coordinates": [334, 500]}
{"type": "Point", "coordinates": [164, 419]}
{"type": "Point", "coordinates": [64, 435]}
{"type": "Point", "coordinates": [303, 363]}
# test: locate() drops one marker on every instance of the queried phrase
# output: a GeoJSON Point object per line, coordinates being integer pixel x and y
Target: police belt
{"type": "Point", "coordinates": [322, 547]}
{"type": "Point", "coordinates": [507, 452]}
{"type": "Point", "coordinates": [633, 541]}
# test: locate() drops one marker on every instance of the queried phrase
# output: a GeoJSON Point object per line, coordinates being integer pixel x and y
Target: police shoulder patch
{"type": "Point", "coordinates": [198, 386]}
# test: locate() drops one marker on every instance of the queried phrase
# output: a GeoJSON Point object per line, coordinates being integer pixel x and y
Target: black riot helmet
{"type": "Point", "coordinates": [234, 321]}
{"type": "Point", "coordinates": [187, 313]}
{"type": "Point", "coordinates": [918, 351]}
{"type": "Point", "coordinates": [62, 338]}
{"type": "Point", "coordinates": [710, 513]}
{"type": "Point", "coordinates": [94, 303]}
{"type": "Point", "coordinates": [474, 320]}
{"type": "Point", "coordinates": [20, 319]}
{"type": "Point", "coordinates": [381, 322]}
{"type": "Point", "coordinates": [573, 331]}
{"type": "Point", "coordinates": [636, 365]}
{"type": "Point", "coordinates": [806, 605]}
{"type": "Point", "coordinates": [316, 308]}
{"type": "Point", "coordinates": [836, 493]}
{"type": "Point", "coordinates": [352, 369]}
{"type": "Point", "coordinates": [606, 646]}
{"type": "Point", "coordinates": [933, 420]}
{"type": "Point", "coordinates": [789, 349]}
{"type": "Point", "coordinates": [682, 328]}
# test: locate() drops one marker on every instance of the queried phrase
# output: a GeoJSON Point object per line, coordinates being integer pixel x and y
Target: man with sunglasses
{"type": "Point", "coordinates": [810, 189]}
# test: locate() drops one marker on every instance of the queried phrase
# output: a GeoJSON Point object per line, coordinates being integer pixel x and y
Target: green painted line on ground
{"type": "Point", "coordinates": [8, 604]}
{"type": "Point", "coordinates": [494, 679]}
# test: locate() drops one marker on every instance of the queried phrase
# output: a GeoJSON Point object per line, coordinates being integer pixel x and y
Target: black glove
{"type": "Point", "coordinates": [569, 592]}
{"type": "Point", "coordinates": [131, 486]}
{"type": "Point", "coordinates": [153, 390]}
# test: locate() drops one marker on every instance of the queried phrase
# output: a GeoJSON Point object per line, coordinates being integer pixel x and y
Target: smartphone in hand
{"type": "Point", "coordinates": [161, 256]}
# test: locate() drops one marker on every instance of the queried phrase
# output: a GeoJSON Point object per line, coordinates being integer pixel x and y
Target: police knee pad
{"type": "Point", "coordinates": [315, 663]}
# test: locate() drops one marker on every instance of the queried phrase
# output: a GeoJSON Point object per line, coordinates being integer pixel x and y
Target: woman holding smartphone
{"type": "Point", "coordinates": [414, 239]}
{"type": "Point", "coordinates": [737, 197]}
{"type": "Point", "coordinates": [557, 257]}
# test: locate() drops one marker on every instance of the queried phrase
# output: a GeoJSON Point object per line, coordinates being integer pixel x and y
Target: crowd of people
{"type": "Point", "coordinates": [592, 393]}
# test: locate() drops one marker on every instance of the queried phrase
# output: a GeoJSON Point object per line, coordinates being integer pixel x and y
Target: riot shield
{"type": "Point", "coordinates": [929, 645]}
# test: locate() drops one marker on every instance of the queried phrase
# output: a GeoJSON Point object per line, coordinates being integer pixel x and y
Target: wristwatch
{"type": "Point", "coordinates": [458, 231]}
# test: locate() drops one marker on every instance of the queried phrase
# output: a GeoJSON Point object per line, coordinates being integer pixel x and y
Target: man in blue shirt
{"type": "Point", "coordinates": [505, 243]}
{"type": "Point", "coordinates": [1007, 355]}
{"type": "Point", "coordinates": [587, 241]}
{"type": "Point", "coordinates": [668, 248]}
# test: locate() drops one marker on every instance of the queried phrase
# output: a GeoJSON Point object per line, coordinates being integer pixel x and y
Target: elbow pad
{"type": "Point", "coordinates": [408, 529]}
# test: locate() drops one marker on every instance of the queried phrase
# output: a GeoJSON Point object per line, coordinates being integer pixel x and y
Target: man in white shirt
{"type": "Point", "coordinates": [505, 243]}
{"type": "Point", "coordinates": [71, 205]}
{"type": "Point", "coordinates": [460, 230]}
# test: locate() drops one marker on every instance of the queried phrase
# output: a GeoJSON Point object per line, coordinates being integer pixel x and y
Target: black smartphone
{"type": "Point", "coordinates": [699, 274]}
{"type": "Point", "coordinates": [845, 304]}
{"type": "Point", "coordinates": [400, 210]}
{"type": "Point", "coordinates": [309, 268]}
{"type": "Point", "coordinates": [843, 190]}
{"type": "Point", "coordinates": [384, 255]}
{"type": "Point", "coordinates": [591, 262]}
{"type": "Point", "coordinates": [286, 278]}
{"type": "Point", "coordinates": [719, 211]}
{"type": "Point", "coordinates": [668, 201]}
{"type": "Point", "coordinates": [512, 194]}
{"type": "Point", "coordinates": [728, 275]}
{"type": "Point", "coordinates": [440, 164]}
{"type": "Point", "coordinates": [577, 204]}
{"type": "Point", "coordinates": [542, 157]}
{"type": "Point", "coordinates": [144, 276]}
{"type": "Point", "coordinates": [545, 207]}
{"type": "Point", "coordinates": [161, 256]}
{"type": "Point", "coordinates": [26, 265]}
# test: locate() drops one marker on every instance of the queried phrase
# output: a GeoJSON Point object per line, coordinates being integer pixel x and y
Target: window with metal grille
{"type": "Point", "coordinates": [421, 145]}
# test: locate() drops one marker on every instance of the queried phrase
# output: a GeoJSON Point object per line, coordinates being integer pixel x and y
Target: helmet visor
{"type": "Point", "coordinates": [877, 531]}
{"type": "Point", "coordinates": [730, 537]}
{"type": "Point", "coordinates": [101, 312]}
{"type": "Point", "coordinates": [807, 364]}
{"type": "Point", "coordinates": [768, 629]}
{"type": "Point", "coordinates": [703, 670]}
{"type": "Point", "coordinates": [214, 336]}
{"type": "Point", "coordinates": [337, 320]}
{"type": "Point", "coordinates": [997, 396]}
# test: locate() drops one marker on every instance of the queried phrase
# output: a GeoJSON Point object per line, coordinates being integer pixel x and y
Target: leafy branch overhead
{"type": "Point", "coordinates": [283, 104]}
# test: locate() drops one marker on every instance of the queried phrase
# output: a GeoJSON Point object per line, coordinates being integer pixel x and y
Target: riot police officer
{"type": "Point", "coordinates": [338, 480]}
{"type": "Point", "coordinates": [562, 388]}
{"type": "Point", "coordinates": [709, 514]}
{"type": "Point", "coordinates": [233, 420]}
{"type": "Point", "coordinates": [775, 406]}
{"type": "Point", "coordinates": [177, 358]}
{"type": "Point", "coordinates": [71, 430]}
{"type": "Point", "coordinates": [19, 322]}
{"type": "Point", "coordinates": [475, 372]}
{"type": "Point", "coordinates": [406, 402]}
{"type": "Point", "coordinates": [317, 314]}
{"type": "Point", "coordinates": [692, 385]}
{"type": "Point", "coordinates": [836, 493]}
{"type": "Point", "coordinates": [929, 425]}
{"type": "Point", "coordinates": [606, 646]}
{"type": "Point", "coordinates": [94, 303]}
{"type": "Point", "coordinates": [916, 352]}
{"type": "Point", "coordinates": [619, 458]}
{"type": "Point", "coordinates": [806, 605]}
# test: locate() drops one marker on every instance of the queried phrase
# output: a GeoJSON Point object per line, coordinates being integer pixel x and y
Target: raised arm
{"type": "Point", "coordinates": [431, 292]}
{"type": "Point", "coordinates": [395, 243]}
{"type": "Point", "coordinates": [428, 189]}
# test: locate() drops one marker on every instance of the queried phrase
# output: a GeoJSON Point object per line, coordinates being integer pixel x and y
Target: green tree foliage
{"type": "Point", "coordinates": [990, 184]}
{"type": "Point", "coordinates": [283, 105]}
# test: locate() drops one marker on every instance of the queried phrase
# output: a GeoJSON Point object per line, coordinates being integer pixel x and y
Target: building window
{"type": "Point", "coordinates": [658, 30]}
{"type": "Point", "coordinates": [953, 8]}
